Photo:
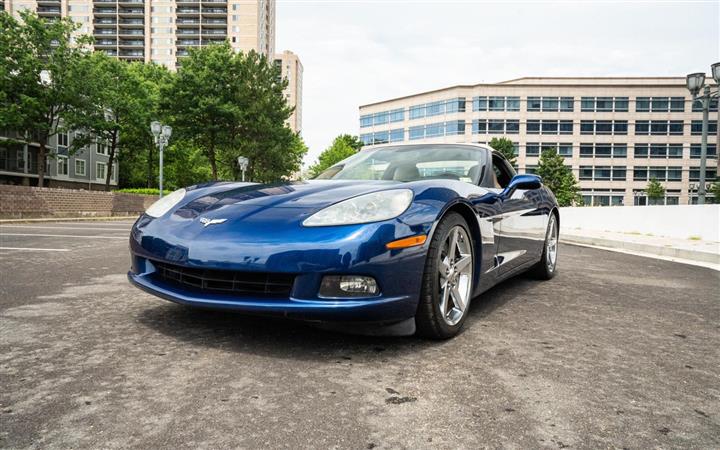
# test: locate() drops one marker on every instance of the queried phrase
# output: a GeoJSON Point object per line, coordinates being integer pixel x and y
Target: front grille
{"type": "Point", "coordinates": [227, 282]}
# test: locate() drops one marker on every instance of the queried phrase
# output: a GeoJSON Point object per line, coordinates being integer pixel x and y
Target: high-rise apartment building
{"type": "Point", "coordinates": [162, 31]}
{"type": "Point", "coordinates": [615, 133]}
{"type": "Point", "coordinates": [292, 70]}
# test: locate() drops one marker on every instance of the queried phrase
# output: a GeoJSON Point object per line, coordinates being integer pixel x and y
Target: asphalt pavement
{"type": "Point", "coordinates": [616, 351]}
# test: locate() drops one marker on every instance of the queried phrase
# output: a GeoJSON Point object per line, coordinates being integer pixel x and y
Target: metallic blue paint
{"type": "Point", "coordinates": [264, 233]}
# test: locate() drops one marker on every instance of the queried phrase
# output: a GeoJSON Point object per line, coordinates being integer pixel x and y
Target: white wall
{"type": "Point", "coordinates": [678, 221]}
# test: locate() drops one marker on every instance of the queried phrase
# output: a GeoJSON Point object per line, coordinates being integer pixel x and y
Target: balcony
{"type": "Point", "coordinates": [130, 32]}
{"type": "Point", "coordinates": [132, 2]}
{"type": "Point", "coordinates": [215, 1]}
{"type": "Point", "coordinates": [131, 11]}
{"type": "Point", "coordinates": [188, 42]}
{"type": "Point", "coordinates": [218, 32]}
{"type": "Point", "coordinates": [48, 9]}
{"type": "Point", "coordinates": [214, 10]}
{"type": "Point", "coordinates": [105, 43]}
{"type": "Point", "coordinates": [182, 53]}
{"type": "Point", "coordinates": [132, 53]}
{"type": "Point", "coordinates": [103, 1]}
{"type": "Point", "coordinates": [132, 22]}
{"type": "Point", "coordinates": [215, 22]}
{"type": "Point", "coordinates": [212, 41]}
{"type": "Point", "coordinates": [48, 2]}
{"type": "Point", "coordinates": [132, 43]}
{"type": "Point", "coordinates": [193, 31]}
{"type": "Point", "coordinates": [105, 21]}
{"type": "Point", "coordinates": [187, 11]}
{"type": "Point", "coordinates": [104, 31]}
{"type": "Point", "coordinates": [103, 11]}
{"type": "Point", "coordinates": [109, 52]}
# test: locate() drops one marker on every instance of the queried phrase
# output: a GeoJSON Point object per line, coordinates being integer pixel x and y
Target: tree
{"type": "Point", "coordinates": [342, 147]}
{"type": "Point", "coordinates": [558, 178]}
{"type": "Point", "coordinates": [116, 106]}
{"type": "Point", "coordinates": [506, 147]}
{"type": "Point", "coordinates": [38, 85]}
{"type": "Point", "coordinates": [715, 191]}
{"type": "Point", "coordinates": [230, 104]}
{"type": "Point", "coordinates": [655, 192]}
{"type": "Point", "coordinates": [138, 165]}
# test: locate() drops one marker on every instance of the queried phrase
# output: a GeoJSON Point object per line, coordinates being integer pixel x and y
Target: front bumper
{"type": "Point", "coordinates": [375, 310]}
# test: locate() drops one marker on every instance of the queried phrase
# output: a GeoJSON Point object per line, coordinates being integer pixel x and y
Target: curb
{"type": "Point", "coordinates": [70, 219]}
{"type": "Point", "coordinates": [706, 259]}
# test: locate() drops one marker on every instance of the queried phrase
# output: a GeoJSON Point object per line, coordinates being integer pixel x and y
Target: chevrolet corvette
{"type": "Point", "coordinates": [395, 240]}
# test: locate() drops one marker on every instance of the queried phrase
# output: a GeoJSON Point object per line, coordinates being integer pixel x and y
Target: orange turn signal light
{"type": "Point", "coordinates": [411, 241]}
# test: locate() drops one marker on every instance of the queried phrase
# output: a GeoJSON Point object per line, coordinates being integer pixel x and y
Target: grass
{"type": "Point", "coordinates": [695, 238]}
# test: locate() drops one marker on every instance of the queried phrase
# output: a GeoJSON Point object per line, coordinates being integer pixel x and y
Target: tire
{"type": "Point", "coordinates": [450, 289]}
{"type": "Point", "coordinates": [546, 268]}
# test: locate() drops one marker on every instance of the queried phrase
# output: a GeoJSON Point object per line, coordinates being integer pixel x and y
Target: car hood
{"type": "Point", "coordinates": [305, 195]}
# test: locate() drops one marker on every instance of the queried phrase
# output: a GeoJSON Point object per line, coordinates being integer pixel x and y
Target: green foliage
{"type": "Point", "coordinates": [230, 104]}
{"type": "Point", "coordinates": [185, 165]}
{"type": "Point", "coordinates": [506, 148]}
{"type": "Point", "coordinates": [39, 79]}
{"type": "Point", "coordinates": [342, 147]}
{"type": "Point", "coordinates": [558, 178]}
{"type": "Point", "coordinates": [654, 191]}
{"type": "Point", "coordinates": [715, 191]}
{"type": "Point", "coordinates": [141, 191]}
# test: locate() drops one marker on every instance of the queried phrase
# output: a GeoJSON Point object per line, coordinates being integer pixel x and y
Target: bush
{"type": "Point", "coordinates": [143, 191]}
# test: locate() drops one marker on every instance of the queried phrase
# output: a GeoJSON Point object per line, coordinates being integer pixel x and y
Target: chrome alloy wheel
{"type": "Point", "coordinates": [552, 243]}
{"type": "Point", "coordinates": [455, 270]}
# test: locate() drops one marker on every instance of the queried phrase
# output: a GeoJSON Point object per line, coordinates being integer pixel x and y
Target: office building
{"type": "Point", "coordinates": [291, 69]}
{"type": "Point", "coordinates": [615, 133]}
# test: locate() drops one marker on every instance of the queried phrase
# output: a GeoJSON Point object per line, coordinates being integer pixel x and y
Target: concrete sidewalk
{"type": "Point", "coordinates": [690, 251]}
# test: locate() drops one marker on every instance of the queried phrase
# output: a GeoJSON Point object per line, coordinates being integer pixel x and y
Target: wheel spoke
{"type": "Point", "coordinates": [458, 299]}
{"type": "Point", "coordinates": [444, 294]}
{"type": "Point", "coordinates": [453, 245]}
{"type": "Point", "coordinates": [462, 263]}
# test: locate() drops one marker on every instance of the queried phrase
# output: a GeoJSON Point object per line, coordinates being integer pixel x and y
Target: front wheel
{"type": "Point", "coordinates": [547, 266]}
{"type": "Point", "coordinates": [447, 280]}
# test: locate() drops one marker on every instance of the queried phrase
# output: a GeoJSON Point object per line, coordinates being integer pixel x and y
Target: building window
{"type": "Point", "coordinates": [696, 127]}
{"type": "Point", "coordinates": [696, 149]}
{"type": "Point", "coordinates": [495, 126]}
{"type": "Point", "coordinates": [606, 127]}
{"type": "Point", "coordinates": [697, 105]}
{"type": "Point", "coordinates": [416, 132]}
{"type": "Point", "coordinates": [100, 170]}
{"type": "Point", "coordinates": [397, 135]}
{"type": "Point", "coordinates": [63, 139]}
{"type": "Point", "coordinates": [604, 104]}
{"type": "Point", "coordinates": [437, 108]}
{"type": "Point", "coordinates": [496, 103]}
{"type": "Point", "coordinates": [549, 127]}
{"type": "Point", "coordinates": [397, 115]}
{"type": "Point", "coordinates": [366, 121]}
{"type": "Point", "coordinates": [710, 174]}
{"type": "Point", "coordinates": [659, 127]}
{"type": "Point", "coordinates": [80, 167]}
{"type": "Point", "coordinates": [62, 165]}
{"type": "Point", "coordinates": [102, 149]}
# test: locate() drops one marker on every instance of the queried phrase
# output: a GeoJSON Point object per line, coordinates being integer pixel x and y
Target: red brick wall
{"type": "Point", "coordinates": [19, 202]}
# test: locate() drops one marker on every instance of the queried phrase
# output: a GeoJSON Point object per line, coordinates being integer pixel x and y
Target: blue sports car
{"type": "Point", "coordinates": [394, 240]}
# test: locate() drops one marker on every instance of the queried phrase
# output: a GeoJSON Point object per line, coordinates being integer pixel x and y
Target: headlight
{"type": "Point", "coordinates": [366, 208]}
{"type": "Point", "coordinates": [166, 203]}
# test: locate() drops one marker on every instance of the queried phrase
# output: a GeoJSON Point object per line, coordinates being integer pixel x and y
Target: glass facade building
{"type": "Point", "coordinates": [615, 133]}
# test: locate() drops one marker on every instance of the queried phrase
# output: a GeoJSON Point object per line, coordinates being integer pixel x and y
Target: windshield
{"type": "Point", "coordinates": [411, 163]}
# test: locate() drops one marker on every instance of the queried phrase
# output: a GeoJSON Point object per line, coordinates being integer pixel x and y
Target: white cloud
{"type": "Point", "coordinates": [357, 52]}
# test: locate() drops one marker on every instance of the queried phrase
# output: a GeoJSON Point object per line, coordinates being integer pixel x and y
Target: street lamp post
{"type": "Point", "coordinates": [162, 134]}
{"type": "Point", "coordinates": [695, 82]}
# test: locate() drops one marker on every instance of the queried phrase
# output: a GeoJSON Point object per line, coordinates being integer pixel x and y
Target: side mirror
{"type": "Point", "coordinates": [525, 181]}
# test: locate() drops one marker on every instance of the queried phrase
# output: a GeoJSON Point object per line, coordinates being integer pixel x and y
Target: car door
{"type": "Point", "coordinates": [521, 224]}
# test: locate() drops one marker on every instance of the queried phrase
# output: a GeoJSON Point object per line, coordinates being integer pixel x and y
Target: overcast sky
{"type": "Point", "coordinates": [358, 52]}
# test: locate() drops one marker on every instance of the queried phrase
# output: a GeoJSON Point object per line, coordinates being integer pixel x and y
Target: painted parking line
{"type": "Point", "coordinates": [31, 249]}
{"type": "Point", "coordinates": [64, 236]}
{"type": "Point", "coordinates": [25, 227]}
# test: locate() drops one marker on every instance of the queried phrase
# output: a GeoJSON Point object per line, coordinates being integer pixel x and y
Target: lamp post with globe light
{"type": "Point", "coordinates": [695, 83]}
{"type": "Point", "coordinates": [162, 134]}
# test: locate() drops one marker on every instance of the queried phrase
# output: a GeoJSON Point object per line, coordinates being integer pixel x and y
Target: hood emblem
{"type": "Point", "coordinates": [207, 222]}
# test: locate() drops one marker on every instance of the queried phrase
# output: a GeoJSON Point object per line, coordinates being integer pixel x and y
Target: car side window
{"type": "Point", "coordinates": [501, 173]}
